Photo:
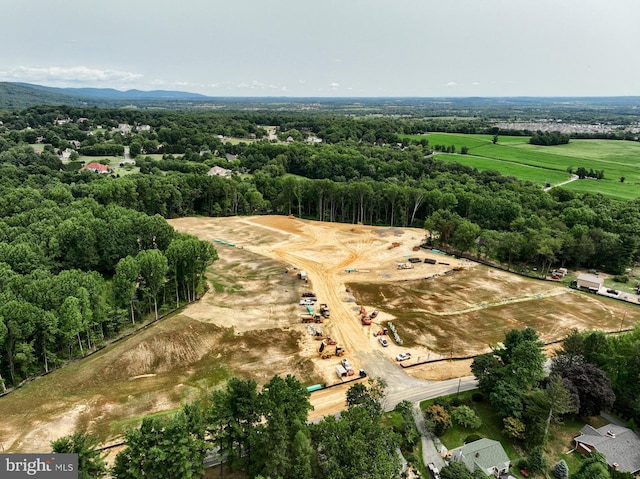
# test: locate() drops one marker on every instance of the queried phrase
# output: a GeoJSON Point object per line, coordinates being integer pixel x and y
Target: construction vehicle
{"type": "Point", "coordinates": [311, 318]}
{"type": "Point", "coordinates": [382, 332]}
{"type": "Point", "coordinates": [374, 314]}
{"type": "Point", "coordinates": [326, 353]}
{"type": "Point", "coordinates": [366, 320]}
{"type": "Point", "coordinates": [324, 310]}
{"type": "Point", "coordinates": [363, 311]}
{"type": "Point", "coordinates": [330, 342]}
{"type": "Point", "coordinates": [309, 294]}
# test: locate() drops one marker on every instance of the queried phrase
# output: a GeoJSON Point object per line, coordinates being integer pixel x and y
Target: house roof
{"type": "Point", "coordinates": [483, 454]}
{"type": "Point", "coordinates": [619, 444]}
{"type": "Point", "coordinates": [95, 166]}
{"type": "Point", "coordinates": [219, 171]}
{"type": "Point", "coordinates": [590, 278]}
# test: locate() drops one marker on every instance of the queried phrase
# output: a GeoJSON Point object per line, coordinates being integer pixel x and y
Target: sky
{"type": "Point", "coordinates": [327, 48]}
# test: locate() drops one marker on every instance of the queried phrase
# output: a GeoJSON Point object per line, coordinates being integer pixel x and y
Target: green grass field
{"type": "Point", "coordinates": [514, 156]}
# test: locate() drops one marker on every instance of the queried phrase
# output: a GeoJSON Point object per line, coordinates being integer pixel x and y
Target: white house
{"type": "Point", "coordinates": [219, 171]}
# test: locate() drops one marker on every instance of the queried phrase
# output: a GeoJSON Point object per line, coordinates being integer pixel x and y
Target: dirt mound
{"type": "Point", "coordinates": [165, 351]}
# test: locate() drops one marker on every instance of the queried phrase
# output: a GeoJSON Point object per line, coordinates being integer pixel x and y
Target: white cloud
{"type": "Point", "coordinates": [334, 85]}
{"type": "Point", "coordinates": [475, 83]}
{"type": "Point", "coordinates": [452, 83]}
{"type": "Point", "coordinates": [66, 75]}
{"type": "Point", "coordinates": [180, 83]}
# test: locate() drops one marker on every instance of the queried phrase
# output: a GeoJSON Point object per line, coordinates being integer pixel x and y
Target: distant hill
{"type": "Point", "coordinates": [14, 96]}
{"type": "Point", "coordinates": [113, 94]}
{"type": "Point", "coordinates": [24, 95]}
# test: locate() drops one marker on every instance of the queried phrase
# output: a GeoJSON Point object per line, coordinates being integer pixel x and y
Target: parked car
{"type": "Point", "coordinates": [383, 341]}
{"type": "Point", "coordinates": [306, 302]}
{"type": "Point", "coordinates": [403, 356]}
{"type": "Point", "coordinates": [433, 470]}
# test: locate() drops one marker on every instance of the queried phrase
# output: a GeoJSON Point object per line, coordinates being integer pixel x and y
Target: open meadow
{"type": "Point", "coordinates": [514, 156]}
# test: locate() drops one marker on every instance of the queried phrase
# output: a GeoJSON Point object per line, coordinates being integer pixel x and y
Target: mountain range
{"type": "Point", "coordinates": [24, 95]}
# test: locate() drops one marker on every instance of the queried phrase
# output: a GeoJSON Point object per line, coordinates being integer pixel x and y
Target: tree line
{"type": "Point", "coordinates": [262, 432]}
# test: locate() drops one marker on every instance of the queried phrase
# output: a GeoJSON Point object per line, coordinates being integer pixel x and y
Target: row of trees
{"type": "Point", "coordinates": [549, 138]}
{"type": "Point", "coordinates": [263, 432]}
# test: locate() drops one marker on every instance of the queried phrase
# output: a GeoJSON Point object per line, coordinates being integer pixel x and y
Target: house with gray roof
{"type": "Point", "coordinates": [620, 445]}
{"type": "Point", "coordinates": [485, 455]}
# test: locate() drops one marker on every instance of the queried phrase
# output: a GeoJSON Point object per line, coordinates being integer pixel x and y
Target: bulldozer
{"type": "Point", "coordinates": [326, 353]}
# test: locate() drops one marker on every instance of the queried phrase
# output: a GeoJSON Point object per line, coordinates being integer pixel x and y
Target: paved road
{"type": "Point", "coordinates": [400, 386]}
{"type": "Point", "coordinates": [429, 452]}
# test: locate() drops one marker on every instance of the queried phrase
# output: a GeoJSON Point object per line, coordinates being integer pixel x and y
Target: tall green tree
{"type": "Point", "coordinates": [91, 462]}
{"type": "Point", "coordinates": [153, 274]}
{"type": "Point", "coordinates": [231, 418]}
{"type": "Point", "coordinates": [159, 449]}
{"type": "Point", "coordinates": [125, 283]}
{"type": "Point", "coordinates": [284, 406]}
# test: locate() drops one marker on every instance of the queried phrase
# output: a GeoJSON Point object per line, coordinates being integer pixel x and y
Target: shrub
{"type": "Point", "coordinates": [437, 419]}
{"type": "Point", "coordinates": [621, 278]}
{"type": "Point", "coordinates": [477, 397]}
{"type": "Point", "coordinates": [466, 417]}
{"type": "Point", "coordinates": [561, 470]}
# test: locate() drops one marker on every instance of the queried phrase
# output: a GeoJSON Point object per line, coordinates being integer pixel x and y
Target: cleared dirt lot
{"type": "Point", "coordinates": [248, 325]}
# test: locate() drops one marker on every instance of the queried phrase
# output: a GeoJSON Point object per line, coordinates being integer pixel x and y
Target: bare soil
{"type": "Point", "coordinates": [249, 325]}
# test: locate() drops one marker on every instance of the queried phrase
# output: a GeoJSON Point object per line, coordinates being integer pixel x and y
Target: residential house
{"type": "Point", "coordinates": [219, 171]}
{"type": "Point", "coordinates": [96, 168]}
{"type": "Point", "coordinates": [485, 455]}
{"type": "Point", "coordinates": [620, 445]}
{"type": "Point", "coordinates": [124, 129]}
{"type": "Point", "coordinates": [230, 157]}
{"type": "Point", "coordinates": [66, 154]}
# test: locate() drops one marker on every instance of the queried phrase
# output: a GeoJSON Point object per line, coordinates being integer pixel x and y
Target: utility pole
{"type": "Point", "coordinates": [451, 352]}
{"type": "Point", "coordinates": [459, 381]}
{"type": "Point", "coordinates": [621, 321]}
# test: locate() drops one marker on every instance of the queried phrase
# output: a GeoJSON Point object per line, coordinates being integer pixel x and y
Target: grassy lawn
{"type": "Point", "coordinates": [540, 176]}
{"type": "Point", "coordinates": [617, 158]}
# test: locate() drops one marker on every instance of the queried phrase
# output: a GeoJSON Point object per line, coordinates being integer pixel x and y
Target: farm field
{"type": "Point", "coordinates": [248, 325]}
{"type": "Point", "coordinates": [617, 159]}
